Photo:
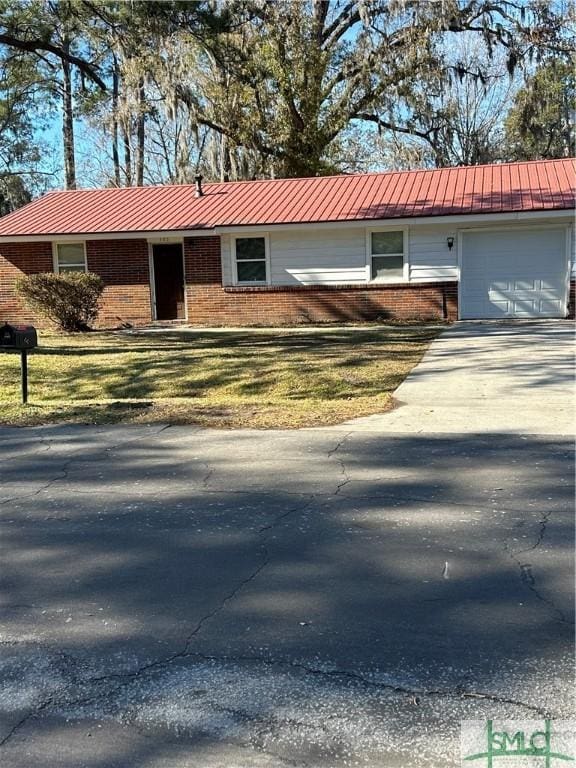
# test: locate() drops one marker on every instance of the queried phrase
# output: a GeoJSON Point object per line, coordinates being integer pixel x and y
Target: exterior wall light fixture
{"type": "Point", "coordinates": [450, 241]}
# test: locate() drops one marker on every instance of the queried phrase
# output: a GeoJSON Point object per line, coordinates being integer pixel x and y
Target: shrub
{"type": "Point", "coordinates": [69, 299]}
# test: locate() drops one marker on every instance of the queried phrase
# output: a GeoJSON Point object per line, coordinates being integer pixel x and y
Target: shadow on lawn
{"type": "Point", "coordinates": [250, 364]}
{"type": "Point", "coordinates": [194, 363]}
{"type": "Point", "coordinates": [286, 340]}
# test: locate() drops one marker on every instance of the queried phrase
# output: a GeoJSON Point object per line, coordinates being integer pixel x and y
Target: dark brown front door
{"type": "Point", "coordinates": [169, 282]}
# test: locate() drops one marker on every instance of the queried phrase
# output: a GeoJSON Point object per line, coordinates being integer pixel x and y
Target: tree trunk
{"type": "Point", "coordinates": [225, 159]}
{"type": "Point", "coordinates": [115, 153]}
{"type": "Point", "coordinates": [140, 134]}
{"type": "Point", "coordinates": [127, 156]}
{"type": "Point", "coordinates": [68, 123]}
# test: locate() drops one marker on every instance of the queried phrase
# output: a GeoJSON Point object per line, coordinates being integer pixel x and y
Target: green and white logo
{"type": "Point", "coordinates": [524, 743]}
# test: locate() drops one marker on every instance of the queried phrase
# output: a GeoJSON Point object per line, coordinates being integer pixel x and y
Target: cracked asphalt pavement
{"type": "Point", "coordinates": [173, 596]}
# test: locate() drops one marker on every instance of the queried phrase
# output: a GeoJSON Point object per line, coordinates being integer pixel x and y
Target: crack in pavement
{"type": "Point", "coordinates": [280, 518]}
{"type": "Point", "coordinates": [543, 524]}
{"type": "Point", "coordinates": [526, 572]}
{"type": "Point", "coordinates": [46, 447]}
{"type": "Point", "coordinates": [63, 472]}
{"type": "Point", "coordinates": [414, 693]}
{"type": "Point", "coordinates": [62, 475]}
{"type": "Point", "coordinates": [68, 667]}
{"type": "Point", "coordinates": [124, 678]}
{"type": "Point", "coordinates": [343, 469]}
{"type": "Point", "coordinates": [343, 497]}
{"type": "Point", "coordinates": [480, 506]}
{"type": "Point", "coordinates": [22, 722]}
{"type": "Point", "coordinates": [209, 473]}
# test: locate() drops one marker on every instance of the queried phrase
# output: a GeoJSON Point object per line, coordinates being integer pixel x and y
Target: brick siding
{"type": "Point", "coordinates": [17, 260]}
{"type": "Point", "coordinates": [211, 303]}
{"type": "Point", "coordinates": [123, 265]}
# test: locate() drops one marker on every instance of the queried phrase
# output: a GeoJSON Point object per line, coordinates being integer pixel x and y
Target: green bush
{"type": "Point", "coordinates": [69, 299]}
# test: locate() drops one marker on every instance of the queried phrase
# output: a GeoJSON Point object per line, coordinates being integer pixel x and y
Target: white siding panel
{"type": "Point", "coordinates": [338, 256]}
{"type": "Point", "coordinates": [225, 247]}
{"type": "Point", "coordinates": [318, 257]}
{"type": "Point", "coordinates": [430, 258]}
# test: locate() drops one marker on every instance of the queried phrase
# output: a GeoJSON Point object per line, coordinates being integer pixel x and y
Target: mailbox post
{"type": "Point", "coordinates": [24, 374]}
{"type": "Point", "coordinates": [19, 338]}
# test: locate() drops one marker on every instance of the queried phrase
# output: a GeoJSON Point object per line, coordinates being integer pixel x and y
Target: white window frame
{"type": "Point", "coordinates": [55, 245]}
{"type": "Point", "coordinates": [406, 264]}
{"type": "Point", "coordinates": [247, 235]}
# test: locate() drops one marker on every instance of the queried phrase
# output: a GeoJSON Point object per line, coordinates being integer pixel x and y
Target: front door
{"type": "Point", "coordinates": [169, 282]}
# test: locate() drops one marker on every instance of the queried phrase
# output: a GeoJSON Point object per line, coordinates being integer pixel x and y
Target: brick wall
{"type": "Point", "coordinates": [123, 265]}
{"type": "Point", "coordinates": [210, 303]}
{"type": "Point", "coordinates": [17, 260]}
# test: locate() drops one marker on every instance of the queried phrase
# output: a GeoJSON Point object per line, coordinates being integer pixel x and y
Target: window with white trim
{"type": "Point", "coordinates": [250, 259]}
{"type": "Point", "coordinates": [387, 255]}
{"type": "Point", "coordinates": [70, 257]}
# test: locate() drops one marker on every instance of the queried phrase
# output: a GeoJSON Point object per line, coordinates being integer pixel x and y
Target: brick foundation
{"type": "Point", "coordinates": [209, 303]}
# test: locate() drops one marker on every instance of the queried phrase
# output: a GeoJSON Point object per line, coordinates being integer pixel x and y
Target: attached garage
{"type": "Point", "coordinates": [513, 273]}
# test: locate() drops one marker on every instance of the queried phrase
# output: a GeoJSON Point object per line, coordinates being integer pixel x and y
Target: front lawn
{"type": "Point", "coordinates": [247, 378]}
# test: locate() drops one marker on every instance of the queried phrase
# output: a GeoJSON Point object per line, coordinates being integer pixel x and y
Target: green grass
{"type": "Point", "coordinates": [252, 378]}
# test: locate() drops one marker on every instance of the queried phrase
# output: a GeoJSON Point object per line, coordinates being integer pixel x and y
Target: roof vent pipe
{"type": "Point", "coordinates": [198, 180]}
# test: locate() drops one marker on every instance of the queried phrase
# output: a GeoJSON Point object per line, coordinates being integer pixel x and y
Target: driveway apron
{"type": "Point", "coordinates": [516, 378]}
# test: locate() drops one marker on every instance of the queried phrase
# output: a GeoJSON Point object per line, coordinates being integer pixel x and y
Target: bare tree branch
{"type": "Point", "coordinates": [34, 46]}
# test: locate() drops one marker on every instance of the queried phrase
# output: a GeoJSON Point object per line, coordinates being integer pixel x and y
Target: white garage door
{"type": "Point", "coordinates": [520, 273]}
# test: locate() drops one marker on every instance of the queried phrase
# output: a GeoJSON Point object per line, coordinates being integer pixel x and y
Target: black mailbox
{"type": "Point", "coordinates": [18, 336]}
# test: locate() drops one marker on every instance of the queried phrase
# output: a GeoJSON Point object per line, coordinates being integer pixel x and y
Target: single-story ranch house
{"type": "Point", "coordinates": [491, 241]}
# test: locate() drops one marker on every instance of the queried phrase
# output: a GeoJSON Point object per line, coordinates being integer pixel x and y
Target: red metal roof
{"type": "Point", "coordinates": [511, 187]}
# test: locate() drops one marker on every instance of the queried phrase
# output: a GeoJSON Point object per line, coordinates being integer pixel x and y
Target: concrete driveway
{"type": "Point", "coordinates": [507, 377]}
{"type": "Point", "coordinates": [333, 597]}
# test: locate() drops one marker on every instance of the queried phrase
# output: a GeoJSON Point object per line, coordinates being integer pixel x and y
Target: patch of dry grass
{"type": "Point", "coordinates": [253, 378]}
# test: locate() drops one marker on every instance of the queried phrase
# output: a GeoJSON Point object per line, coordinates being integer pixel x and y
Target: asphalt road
{"type": "Point", "coordinates": [175, 597]}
